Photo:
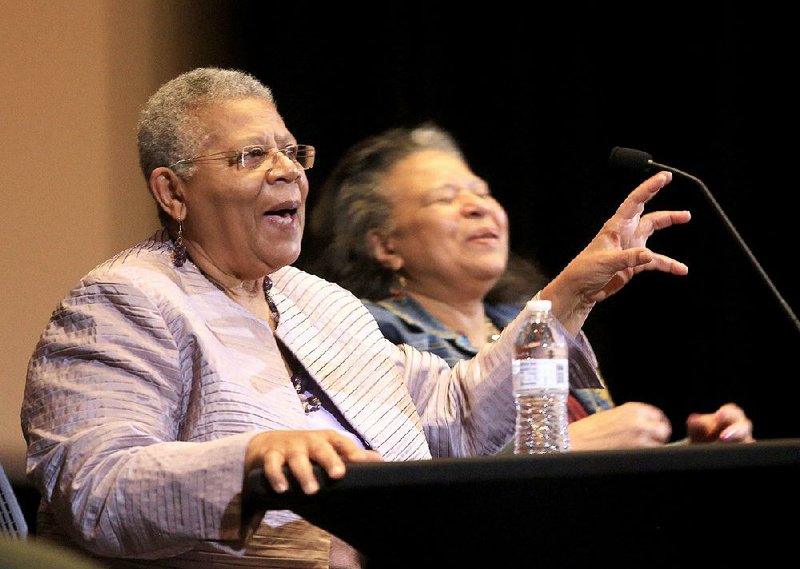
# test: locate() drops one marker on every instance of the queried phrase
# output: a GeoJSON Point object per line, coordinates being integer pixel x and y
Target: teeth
{"type": "Point", "coordinates": [282, 219]}
{"type": "Point", "coordinates": [281, 216]}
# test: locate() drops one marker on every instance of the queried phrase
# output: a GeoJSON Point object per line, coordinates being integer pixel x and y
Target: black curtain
{"type": "Point", "coordinates": [537, 102]}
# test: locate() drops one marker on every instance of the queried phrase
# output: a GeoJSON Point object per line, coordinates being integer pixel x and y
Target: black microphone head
{"type": "Point", "coordinates": [629, 159]}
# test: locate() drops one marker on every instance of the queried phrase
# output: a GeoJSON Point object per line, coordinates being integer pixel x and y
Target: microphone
{"type": "Point", "coordinates": [632, 159]}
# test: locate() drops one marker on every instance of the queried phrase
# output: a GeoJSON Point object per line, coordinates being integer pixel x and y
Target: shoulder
{"type": "Point", "coordinates": [140, 275]}
{"type": "Point", "coordinates": [149, 257]}
{"type": "Point", "coordinates": [403, 321]}
{"type": "Point", "coordinates": [381, 312]}
{"type": "Point", "coordinates": [392, 326]}
{"type": "Point", "coordinates": [136, 292]}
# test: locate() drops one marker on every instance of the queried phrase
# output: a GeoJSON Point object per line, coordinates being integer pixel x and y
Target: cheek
{"type": "Point", "coordinates": [303, 184]}
{"type": "Point", "coordinates": [501, 217]}
{"type": "Point", "coordinates": [428, 230]}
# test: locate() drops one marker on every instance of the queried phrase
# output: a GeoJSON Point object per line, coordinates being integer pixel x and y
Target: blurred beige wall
{"type": "Point", "coordinates": [73, 75]}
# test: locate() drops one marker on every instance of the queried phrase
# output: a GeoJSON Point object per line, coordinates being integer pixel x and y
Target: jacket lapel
{"type": "Point", "coordinates": [336, 338]}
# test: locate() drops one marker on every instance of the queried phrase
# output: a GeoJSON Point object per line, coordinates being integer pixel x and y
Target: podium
{"type": "Point", "coordinates": [672, 506]}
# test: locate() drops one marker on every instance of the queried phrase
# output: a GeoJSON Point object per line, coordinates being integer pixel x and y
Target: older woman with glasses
{"type": "Point", "coordinates": [419, 236]}
{"type": "Point", "coordinates": [179, 365]}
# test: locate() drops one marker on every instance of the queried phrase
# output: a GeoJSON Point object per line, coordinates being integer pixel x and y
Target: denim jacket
{"type": "Point", "coordinates": [403, 320]}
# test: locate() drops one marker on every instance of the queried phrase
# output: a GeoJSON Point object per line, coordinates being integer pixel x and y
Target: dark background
{"type": "Point", "coordinates": [538, 99]}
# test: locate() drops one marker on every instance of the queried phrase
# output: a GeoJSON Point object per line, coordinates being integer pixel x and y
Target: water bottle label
{"type": "Point", "coordinates": [541, 374]}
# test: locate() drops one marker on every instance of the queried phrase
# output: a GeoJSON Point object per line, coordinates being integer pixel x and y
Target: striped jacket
{"type": "Point", "coordinates": [148, 382]}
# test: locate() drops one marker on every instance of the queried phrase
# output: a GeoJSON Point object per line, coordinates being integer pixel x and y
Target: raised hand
{"type": "Point", "coordinates": [614, 256]}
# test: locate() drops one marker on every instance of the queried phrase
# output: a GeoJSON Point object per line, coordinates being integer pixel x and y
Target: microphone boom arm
{"type": "Point", "coordinates": [738, 238]}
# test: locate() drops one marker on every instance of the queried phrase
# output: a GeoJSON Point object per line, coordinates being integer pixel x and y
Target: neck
{"type": "Point", "coordinates": [248, 293]}
{"type": "Point", "coordinates": [237, 289]}
{"type": "Point", "coordinates": [466, 317]}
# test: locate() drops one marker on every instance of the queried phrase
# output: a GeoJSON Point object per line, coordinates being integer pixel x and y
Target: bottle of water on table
{"type": "Point", "coordinates": [541, 383]}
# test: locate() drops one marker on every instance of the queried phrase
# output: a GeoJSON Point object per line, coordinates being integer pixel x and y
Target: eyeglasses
{"type": "Point", "coordinates": [255, 155]}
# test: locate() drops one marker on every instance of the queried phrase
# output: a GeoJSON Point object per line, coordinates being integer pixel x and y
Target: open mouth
{"type": "Point", "coordinates": [284, 214]}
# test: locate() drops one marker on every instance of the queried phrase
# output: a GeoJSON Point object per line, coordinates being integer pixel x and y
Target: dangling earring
{"type": "Point", "coordinates": [398, 288]}
{"type": "Point", "coordinates": [179, 254]}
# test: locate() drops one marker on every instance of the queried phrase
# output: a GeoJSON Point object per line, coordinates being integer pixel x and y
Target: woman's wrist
{"type": "Point", "coordinates": [570, 310]}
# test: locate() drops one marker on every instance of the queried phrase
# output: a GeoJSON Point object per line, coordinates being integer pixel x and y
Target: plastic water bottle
{"type": "Point", "coordinates": [541, 383]}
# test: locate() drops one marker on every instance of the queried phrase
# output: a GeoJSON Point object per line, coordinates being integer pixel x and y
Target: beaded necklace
{"type": "Point", "coordinates": [300, 377]}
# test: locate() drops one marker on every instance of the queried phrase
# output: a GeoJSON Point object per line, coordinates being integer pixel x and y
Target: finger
{"type": "Point", "coordinates": [735, 425]}
{"type": "Point", "coordinates": [616, 261]}
{"type": "Point", "coordinates": [300, 465]}
{"type": "Point", "coordinates": [664, 264]}
{"type": "Point", "coordinates": [328, 456]}
{"type": "Point", "coordinates": [663, 428]}
{"type": "Point", "coordinates": [354, 453]}
{"type": "Point", "coordinates": [620, 266]}
{"type": "Point", "coordinates": [730, 412]}
{"type": "Point", "coordinates": [664, 432]}
{"type": "Point", "coordinates": [657, 434]}
{"type": "Point", "coordinates": [740, 432]}
{"type": "Point", "coordinates": [273, 471]}
{"type": "Point", "coordinates": [632, 261]}
{"type": "Point", "coordinates": [371, 456]}
{"type": "Point", "coordinates": [700, 427]}
{"type": "Point", "coordinates": [656, 220]}
{"type": "Point", "coordinates": [633, 205]}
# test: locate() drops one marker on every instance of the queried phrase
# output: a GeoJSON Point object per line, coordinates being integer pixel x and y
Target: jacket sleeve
{"type": "Point", "coordinates": [102, 414]}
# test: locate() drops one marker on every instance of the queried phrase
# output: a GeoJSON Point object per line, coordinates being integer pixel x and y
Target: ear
{"type": "Point", "coordinates": [382, 250]}
{"type": "Point", "coordinates": [168, 190]}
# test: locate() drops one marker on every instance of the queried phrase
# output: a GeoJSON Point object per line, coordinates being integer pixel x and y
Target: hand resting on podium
{"type": "Point", "coordinates": [304, 455]}
{"type": "Point", "coordinates": [641, 425]}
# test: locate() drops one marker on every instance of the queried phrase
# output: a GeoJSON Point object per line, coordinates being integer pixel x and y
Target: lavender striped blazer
{"type": "Point", "coordinates": [148, 383]}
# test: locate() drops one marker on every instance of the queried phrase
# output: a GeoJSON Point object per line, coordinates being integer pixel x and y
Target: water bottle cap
{"type": "Point", "coordinates": [539, 305]}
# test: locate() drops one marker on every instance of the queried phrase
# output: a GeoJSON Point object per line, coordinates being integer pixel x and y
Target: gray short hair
{"type": "Point", "coordinates": [169, 128]}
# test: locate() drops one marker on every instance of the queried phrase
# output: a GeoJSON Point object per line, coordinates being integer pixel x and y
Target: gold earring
{"type": "Point", "coordinates": [398, 287]}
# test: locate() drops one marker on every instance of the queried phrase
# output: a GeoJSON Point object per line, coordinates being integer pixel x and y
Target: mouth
{"type": "Point", "coordinates": [284, 213]}
{"type": "Point", "coordinates": [483, 234]}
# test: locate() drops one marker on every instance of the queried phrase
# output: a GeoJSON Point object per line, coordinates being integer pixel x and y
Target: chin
{"type": "Point", "coordinates": [275, 262]}
{"type": "Point", "coordinates": [492, 267]}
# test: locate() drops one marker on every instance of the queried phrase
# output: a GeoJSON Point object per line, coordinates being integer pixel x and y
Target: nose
{"type": "Point", "coordinates": [281, 167]}
{"type": "Point", "coordinates": [473, 205]}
